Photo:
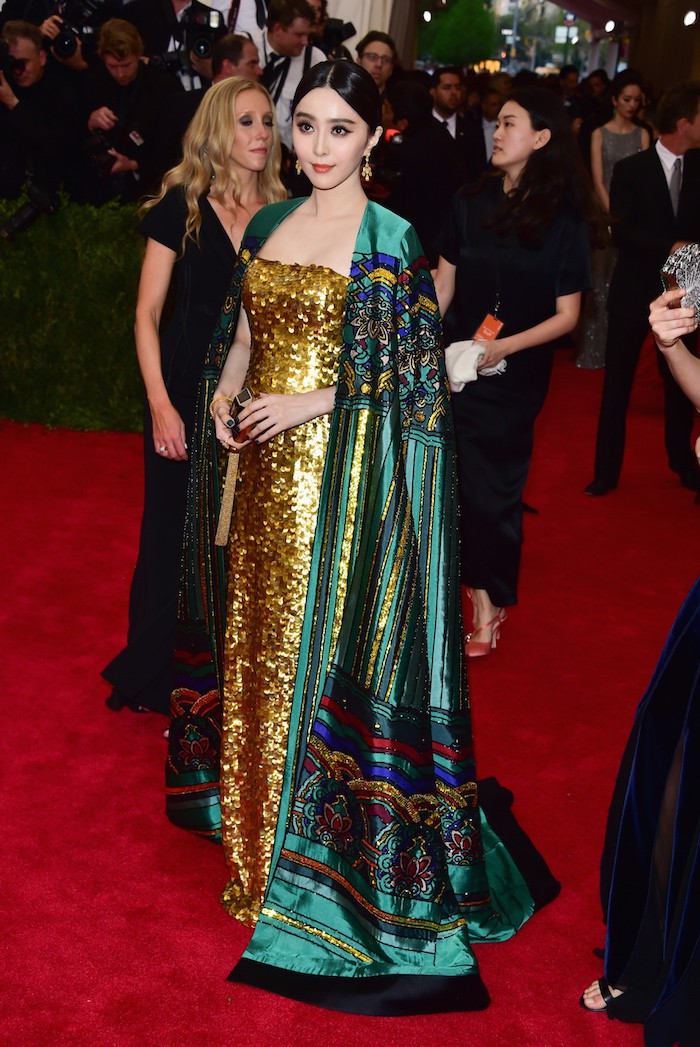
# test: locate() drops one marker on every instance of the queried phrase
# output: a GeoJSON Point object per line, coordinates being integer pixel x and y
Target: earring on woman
{"type": "Point", "coordinates": [297, 166]}
{"type": "Point", "coordinates": [366, 171]}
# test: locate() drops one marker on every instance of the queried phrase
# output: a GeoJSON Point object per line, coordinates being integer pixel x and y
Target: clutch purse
{"type": "Point", "coordinates": [228, 493]}
{"type": "Point", "coordinates": [682, 269]}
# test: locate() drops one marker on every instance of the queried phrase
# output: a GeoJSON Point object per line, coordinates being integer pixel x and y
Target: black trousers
{"type": "Point", "coordinates": [625, 338]}
{"type": "Point", "coordinates": [494, 426]}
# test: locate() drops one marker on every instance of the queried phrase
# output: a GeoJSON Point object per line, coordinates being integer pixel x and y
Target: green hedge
{"type": "Point", "coordinates": [68, 290]}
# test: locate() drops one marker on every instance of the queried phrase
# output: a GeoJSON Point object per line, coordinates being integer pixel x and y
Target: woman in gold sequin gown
{"type": "Point", "coordinates": [349, 810]}
{"type": "Point", "coordinates": [295, 313]}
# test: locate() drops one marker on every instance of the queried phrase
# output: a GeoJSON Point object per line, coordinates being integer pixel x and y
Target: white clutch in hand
{"type": "Point", "coordinates": [461, 361]}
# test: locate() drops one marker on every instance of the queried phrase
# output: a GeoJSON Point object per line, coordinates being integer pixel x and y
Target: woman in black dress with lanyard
{"type": "Point", "coordinates": [194, 227]}
{"type": "Point", "coordinates": [514, 248]}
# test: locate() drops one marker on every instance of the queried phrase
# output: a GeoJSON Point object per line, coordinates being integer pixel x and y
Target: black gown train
{"type": "Point", "coordinates": [141, 674]}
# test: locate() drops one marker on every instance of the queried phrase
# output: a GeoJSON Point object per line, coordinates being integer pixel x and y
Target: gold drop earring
{"type": "Point", "coordinates": [366, 171]}
{"type": "Point", "coordinates": [297, 166]}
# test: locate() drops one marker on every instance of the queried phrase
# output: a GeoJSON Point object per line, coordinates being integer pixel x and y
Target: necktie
{"type": "Point", "coordinates": [270, 70]}
{"type": "Point", "coordinates": [275, 75]}
{"type": "Point", "coordinates": [446, 125]}
{"type": "Point", "coordinates": [260, 13]}
{"type": "Point", "coordinates": [675, 185]}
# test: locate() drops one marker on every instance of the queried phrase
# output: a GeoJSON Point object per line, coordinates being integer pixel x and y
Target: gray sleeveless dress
{"type": "Point", "coordinates": [593, 329]}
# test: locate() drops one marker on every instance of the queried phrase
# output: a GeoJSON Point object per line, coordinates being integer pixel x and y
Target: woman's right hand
{"type": "Point", "coordinates": [169, 433]}
{"type": "Point", "coordinates": [669, 320]}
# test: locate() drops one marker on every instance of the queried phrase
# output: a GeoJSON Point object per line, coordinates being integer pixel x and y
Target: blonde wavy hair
{"type": "Point", "coordinates": [206, 148]}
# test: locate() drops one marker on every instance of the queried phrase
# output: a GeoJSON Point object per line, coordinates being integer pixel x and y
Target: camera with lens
{"type": "Point", "coordinates": [81, 19]}
{"type": "Point", "coordinates": [122, 139]}
{"type": "Point", "coordinates": [202, 30]}
{"type": "Point", "coordinates": [9, 65]}
{"type": "Point", "coordinates": [39, 201]}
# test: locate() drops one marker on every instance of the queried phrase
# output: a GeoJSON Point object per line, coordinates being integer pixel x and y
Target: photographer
{"type": "Point", "coordinates": [167, 26]}
{"type": "Point", "coordinates": [37, 129]}
{"type": "Point", "coordinates": [64, 24]}
{"type": "Point", "coordinates": [125, 99]}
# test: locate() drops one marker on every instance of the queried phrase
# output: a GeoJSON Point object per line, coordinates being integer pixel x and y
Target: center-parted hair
{"type": "Point", "coordinates": [353, 83]}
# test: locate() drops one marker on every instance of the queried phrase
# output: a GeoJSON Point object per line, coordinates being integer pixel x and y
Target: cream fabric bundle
{"type": "Point", "coordinates": [461, 361]}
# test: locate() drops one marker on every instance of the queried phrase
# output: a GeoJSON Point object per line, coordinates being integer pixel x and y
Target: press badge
{"type": "Point", "coordinates": [489, 329]}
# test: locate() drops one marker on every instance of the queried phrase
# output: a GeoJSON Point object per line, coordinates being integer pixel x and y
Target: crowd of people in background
{"type": "Point", "coordinates": [101, 112]}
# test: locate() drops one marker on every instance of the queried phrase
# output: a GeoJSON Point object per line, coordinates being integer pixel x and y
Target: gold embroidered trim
{"type": "Point", "coordinates": [274, 915]}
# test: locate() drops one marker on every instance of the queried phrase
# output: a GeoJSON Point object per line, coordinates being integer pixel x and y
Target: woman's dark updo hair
{"type": "Point", "coordinates": [628, 78]}
{"type": "Point", "coordinates": [554, 175]}
{"type": "Point", "coordinates": [353, 83]}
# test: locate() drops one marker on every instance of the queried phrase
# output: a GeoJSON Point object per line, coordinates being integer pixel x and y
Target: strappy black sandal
{"type": "Point", "coordinates": [608, 998]}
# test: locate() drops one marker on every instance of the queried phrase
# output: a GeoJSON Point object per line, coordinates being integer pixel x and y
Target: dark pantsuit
{"type": "Point", "coordinates": [625, 338]}
{"type": "Point", "coordinates": [645, 227]}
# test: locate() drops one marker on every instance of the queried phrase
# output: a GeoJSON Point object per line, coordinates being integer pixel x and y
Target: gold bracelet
{"type": "Point", "coordinates": [228, 399]}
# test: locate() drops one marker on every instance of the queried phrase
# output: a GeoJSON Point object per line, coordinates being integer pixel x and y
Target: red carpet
{"type": "Point", "coordinates": [112, 930]}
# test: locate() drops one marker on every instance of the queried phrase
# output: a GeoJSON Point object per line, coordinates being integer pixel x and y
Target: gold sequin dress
{"type": "Point", "coordinates": [296, 316]}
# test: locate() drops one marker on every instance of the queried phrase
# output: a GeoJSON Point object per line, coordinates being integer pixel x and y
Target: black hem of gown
{"type": "Point", "coordinates": [383, 995]}
{"type": "Point", "coordinates": [496, 802]}
{"type": "Point", "coordinates": [412, 994]}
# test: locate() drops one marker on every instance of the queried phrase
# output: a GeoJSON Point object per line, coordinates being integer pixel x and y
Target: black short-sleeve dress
{"type": "Point", "coordinates": [140, 674]}
{"type": "Point", "coordinates": [495, 416]}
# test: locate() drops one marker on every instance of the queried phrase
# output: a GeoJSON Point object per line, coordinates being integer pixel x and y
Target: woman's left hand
{"type": "Point", "coordinates": [494, 351]}
{"type": "Point", "coordinates": [273, 413]}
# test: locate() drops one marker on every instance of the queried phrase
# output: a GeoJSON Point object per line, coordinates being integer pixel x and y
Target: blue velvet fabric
{"type": "Point", "coordinates": [653, 922]}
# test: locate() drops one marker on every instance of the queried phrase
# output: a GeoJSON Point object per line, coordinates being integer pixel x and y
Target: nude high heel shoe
{"type": "Point", "coordinates": [478, 648]}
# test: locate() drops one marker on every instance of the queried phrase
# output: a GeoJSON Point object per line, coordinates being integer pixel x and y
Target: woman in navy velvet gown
{"type": "Point", "coordinates": [650, 872]}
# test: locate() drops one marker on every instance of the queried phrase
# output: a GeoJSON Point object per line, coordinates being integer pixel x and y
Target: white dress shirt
{"type": "Point", "coordinates": [488, 127]}
{"type": "Point", "coordinates": [282, 97]}
{"type": "Point", "coordinates": [450, 122]}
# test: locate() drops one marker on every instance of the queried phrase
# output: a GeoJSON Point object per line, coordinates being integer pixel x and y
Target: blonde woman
{"type": "Point", "coordinates": [229, 170]}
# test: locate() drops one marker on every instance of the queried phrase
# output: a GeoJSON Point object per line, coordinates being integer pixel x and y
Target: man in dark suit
{"type": "Point", "coordinates": [655, 207]}
{"type": "Point", "coordinates": [439, 154]}
{"type": "Point", "coordinates": [459, 150]}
